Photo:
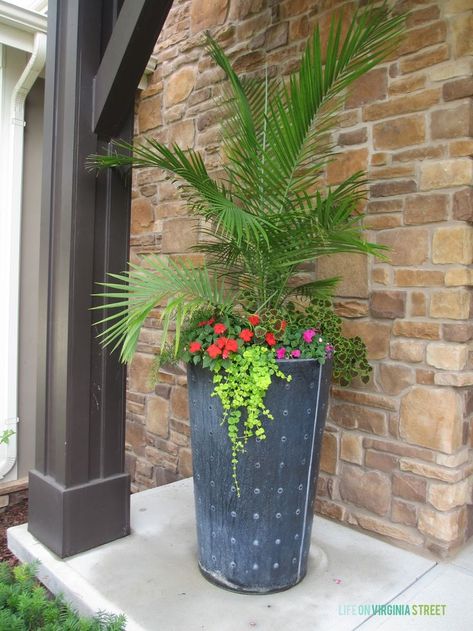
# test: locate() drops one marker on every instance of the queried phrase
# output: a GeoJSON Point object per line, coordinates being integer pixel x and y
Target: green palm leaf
{"type": "Point", "coordinates": [179, 287]}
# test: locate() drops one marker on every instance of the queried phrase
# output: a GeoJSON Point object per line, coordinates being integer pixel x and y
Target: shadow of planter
{"type": "Point", "coordinates": [259, 542]}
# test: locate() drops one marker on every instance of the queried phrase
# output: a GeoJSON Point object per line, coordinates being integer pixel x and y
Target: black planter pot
{"type": "Point", "coordinates": [259, 542]}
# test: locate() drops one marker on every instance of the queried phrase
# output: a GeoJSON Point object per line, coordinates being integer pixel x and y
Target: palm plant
{"type": "Point", "coordinates": [269, 212]}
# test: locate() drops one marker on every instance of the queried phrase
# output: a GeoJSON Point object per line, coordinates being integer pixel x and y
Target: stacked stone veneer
{"type": "Point", "coordinates": [397, 457]}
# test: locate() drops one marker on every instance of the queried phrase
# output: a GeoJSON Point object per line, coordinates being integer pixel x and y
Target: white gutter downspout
{"type": "Point", "coordinates": [9, 415]}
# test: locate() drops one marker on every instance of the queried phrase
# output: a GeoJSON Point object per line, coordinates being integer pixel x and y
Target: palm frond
{"type": "Point", "coordinates": [178, 288]}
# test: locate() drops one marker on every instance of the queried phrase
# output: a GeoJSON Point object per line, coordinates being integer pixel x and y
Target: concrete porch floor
{"type": "Point", "coordinates": [152, 577]}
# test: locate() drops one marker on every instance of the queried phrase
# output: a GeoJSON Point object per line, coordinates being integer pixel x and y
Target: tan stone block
{"type": "Point", "coordinates": [452, 122]}
{"type": "Point", "coordinates": [458, 276]}
{"type": "Point", "coordinates": [384, 205]}
{"type": "Point", "coordinates": [458, 89]}
{"type": "Point", "coordinates": [431, 417]}
{"type": "Point", "coordinates": [399, 448]}
{"type": "Point", "coordinates": [207, 13]}
{"type": "Point", "coordinates": [382, 461]}
{"type": "Point", "coordinates": [378, 159]}
{"type": "Point", "coordinates": [351, 448]}
{"type": "Point", "coordinates": [388, 304]}
{"type": "Point", "coordinates": [409, 487]}
{"type": "Point", "coordinates": [182, 133]}
{"type": "Point", "coordinates": [463, 205]}
{"type": "Point", "coordinates": [387, 529]}
{"type": "Point", "coordinates": [421, 209]}
{"type": "Point", "coordinates": [374, 334]}
{"type": "Point", "coordinates": [408, 351]}
{"type": "Point", "coordinates": [346, 164]}
{"type": "Point", "coordinates": [380, 275]}
{"type": "Point", "coordinates": [328, 455]}
{"type": "Point", "coordinates": [418, 304]}
{"type": "Point", "coordinates": [461, 332]}
{"type": "Point", "coordinates": [369, 489]}
{"type": "Point", "coordinates": [425, 377]}
{"type": "Point", "coordinates": [428, 152]}
{"type": "Point", "coordinates": [461, 148]}
{"type": "Point", "coordinates": [447, 356]}
{"type": "Point", "coordinates": [399, 132]}
{"type": "Point", "coordinates": [135, 437]}
{"type": "Point", "coordinates": [142, 215]}
{"type": "Point", "coordinates": [276, 35]}
{"type": "Point", "coordinates": [178, 235]}
{"type": "Point", "coordinates": [414, 328]}
{"type": "Point", "coordinates": [462, 27]}
{"type": "Point", "coordinates": [403, 513]}
{"type": "Point", "coordinates": [364, 398]}
{"type": "Point", "coordinates": [351, 308]}
{"type": "Point", "coordinates": [444, 497]}
{"type": "Point", "coordinates": [381, 222]}
{"type": "Point", "coordinates": [449, 69]}
{"type": "Point", "coordinates": [161, 458]}
{"type": "Point", "coordinates": [403, 85]}
{"type": "Point", "coordinates": [428, 470]}
{"type": "Point", "coordinates": [356, 417]}
{"type": "Point", "coordinates": [454, 379]}
{"type": "Point", "coordinates": [401, 105]}
{"type": "Point", "coordinates": [393, 171]}
{"type": "Point", "coordinates": [453, 304]}
{"type": "Point", "coordinates": [453, 244]}
{"type": "Point", "coordinates": [179, 85]}
{"type": "Point", "coordinates": [395, 187]}
{"type": "Point", "coordinates": [446, 173]}
{"type": "Point", "coordinates": [330, 509]}
{"type": "Point", "coordinates": [424, 59]}
{"type": "Point", "coordinates": [368, 88]}
{"type": "Point", "coordinates": [407, 246]}
{"type": "Point", "coordinates": [139, 373]}
{"type": "Point", "coordinates": [418, 278]}
{"type": "Point", "coordinates": [457, 6]}
{"type": "Point", "coordinates": [453, 460]}
{"type": "Point", "coordinates": [443, 526]}
{"type": "Point", "coordinates": [356, 137]}
{"type": "Point", "coordinates": [184, 465]}
{"type": "Point", "coordinates": [157, 416]}
{"type": "Point", "coordinates": [149, 114]}
{"type": "Point", "coordinates": [352, 268]}
{"type": "Point", "coordinates": [180, 403]}
{"type": "Point", "coordinates": [394, 378]}
{"type": "Point", "coordinates": [422, 37]}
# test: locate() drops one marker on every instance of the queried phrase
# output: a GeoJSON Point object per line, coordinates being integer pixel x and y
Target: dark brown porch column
{"type": "Point", "coordinates": [79, 493]}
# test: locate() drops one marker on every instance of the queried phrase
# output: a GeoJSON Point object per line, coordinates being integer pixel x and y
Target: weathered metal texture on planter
{"type": "Point", "coordinates": [259, 542]}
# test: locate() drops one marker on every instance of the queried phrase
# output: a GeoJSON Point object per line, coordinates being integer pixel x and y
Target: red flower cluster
{"type": "Point", "coordinates": [204, 322]}
{"type": "Point", "coordinates": [246, 335]}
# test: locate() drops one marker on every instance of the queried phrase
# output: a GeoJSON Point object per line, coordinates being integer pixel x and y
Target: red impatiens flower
{"type": "Point", "coordinates": [194, 347]}
{"type": "Point", "coordinates": [220, 328]}
{"type": "Point", "coordinates": [221, 341]}
{"type": "Point", "coordinates": [205, 322]}
{"type": "Point", "coordinates": [246, 335]}
{"type": "Point", "coordinates": [254, 320]}
{"type": "Point", "coordinates": [230, 347]}
{"type": "Point", "coordinates": [214, 351]}
{"type": "Point", "coordinates": [270, 339]}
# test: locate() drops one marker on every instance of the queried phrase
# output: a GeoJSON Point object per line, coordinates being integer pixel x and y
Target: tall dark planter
{"type": "Point", "coordinates": [259, 542]}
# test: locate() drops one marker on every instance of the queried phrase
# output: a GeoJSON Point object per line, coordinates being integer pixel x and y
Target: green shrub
{"type": "Point", "coordinates": [25, 605]}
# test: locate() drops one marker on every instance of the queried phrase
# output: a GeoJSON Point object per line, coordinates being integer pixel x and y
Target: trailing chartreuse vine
{"type": "Point", "coordinates": [242, 388]}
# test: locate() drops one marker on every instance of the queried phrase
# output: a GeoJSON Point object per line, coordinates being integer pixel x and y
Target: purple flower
{"type": "Point", "coordinates": [296, 353]}
{"type": "Point", "coordinates": [308, 335]}
{"type": "Point", "coordinates": [280, 353]}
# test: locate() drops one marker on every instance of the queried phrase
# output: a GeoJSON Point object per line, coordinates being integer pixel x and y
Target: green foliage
{"type": "Point", "coordinates": [242, 387]}
{"type": "Point", "coordinates": [270, 212]}
{"type": "Point", "coordinates": [6, 435]}
{"type": "Point", "coordinates": [349, 358]}
{"type": "Point", "coordinates": [27, 606]}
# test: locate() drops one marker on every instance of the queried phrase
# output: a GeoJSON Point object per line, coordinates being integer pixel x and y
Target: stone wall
{"type": "Point", "coordinates": [396, 457]}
